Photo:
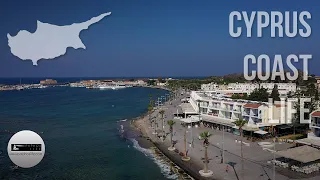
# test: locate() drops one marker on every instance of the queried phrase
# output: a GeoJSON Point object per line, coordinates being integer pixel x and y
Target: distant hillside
{"type": "Point", "coordinates": [234, 78]}
{"type": "Point", "coordinates": [239, 77]}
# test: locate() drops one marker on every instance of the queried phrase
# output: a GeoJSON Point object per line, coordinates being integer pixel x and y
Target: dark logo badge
{"type": "Point", "coordinates": [26, 149]}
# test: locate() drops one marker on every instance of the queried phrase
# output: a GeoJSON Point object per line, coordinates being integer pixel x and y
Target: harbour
{"type": "Point", "coordinates": [101, 84]}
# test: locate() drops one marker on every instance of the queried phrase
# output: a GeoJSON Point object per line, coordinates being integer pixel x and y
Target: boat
{"type": "Point", "coordinates": [102, 87]}
{"type": "Point", "coordinates": [42, 87]}
{"type": "Point", "coordinates": [113, 87]}
{"type": "Point", "coordinates": [19, 88]}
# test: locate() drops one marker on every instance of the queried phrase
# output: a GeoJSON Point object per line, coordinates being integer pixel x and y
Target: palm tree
{"type": "Point", "coordinates": [171, 123]}
{"type": "Point", "coordinates": [150, 108]}
{"type": "Point", "coordinates": [240, 123]}
{"type": "Point", "coordinates": [185, 157]}
{"type": "Point", "coordinates": [205, 137]}
{"type": "Point", "coordinates": [161, 112]}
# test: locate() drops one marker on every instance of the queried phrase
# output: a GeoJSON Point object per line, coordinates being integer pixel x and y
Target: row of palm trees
{"type": "Point", "coordinates": [203, 136]}
{"type": "Point", "coordinates": [153, 121]}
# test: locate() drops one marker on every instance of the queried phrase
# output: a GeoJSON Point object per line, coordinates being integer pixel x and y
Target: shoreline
{"type": "Point", "coordinates": [140, 124]}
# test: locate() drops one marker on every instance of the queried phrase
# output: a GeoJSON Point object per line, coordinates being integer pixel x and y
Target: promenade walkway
{"type": "Point", "coordinates": [255, 158]}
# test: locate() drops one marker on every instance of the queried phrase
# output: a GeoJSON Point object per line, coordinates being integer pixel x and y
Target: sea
{"type": "Point", "coordinates": [80, 129]}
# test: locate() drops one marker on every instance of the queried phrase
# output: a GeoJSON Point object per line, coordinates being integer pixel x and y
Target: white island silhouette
{"type": "Point", "coordinates": [49, 41]}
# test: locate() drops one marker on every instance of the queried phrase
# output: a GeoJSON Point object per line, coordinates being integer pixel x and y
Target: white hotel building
{"type": "Point", "coordinates": [315, 125]}
{"type": "Point", "coordinates": [283, 88]}
{"type": "Point", "coordinates": [258, 114]}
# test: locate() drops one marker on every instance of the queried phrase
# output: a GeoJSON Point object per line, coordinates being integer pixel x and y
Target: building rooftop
{"type": "Point", "coordinates": [309, 141]}
{"type": "Point", "coordinates": [316, 113]}
{"type": "Point", "coordinates": [304, 154]}
{"type": "Point", "coordinates": [218, 120]}
{"type": "Point", "coordinates": [187, 108]}
{"type": "Point", "coordinates": [253, 106]}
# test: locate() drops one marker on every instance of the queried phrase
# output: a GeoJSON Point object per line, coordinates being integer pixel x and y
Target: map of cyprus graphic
{"type": "Point", "coordinates": [49, 41]}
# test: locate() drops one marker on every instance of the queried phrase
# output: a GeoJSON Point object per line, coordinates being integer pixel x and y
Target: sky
{"type": "Point", "coordinates": [151, 38]}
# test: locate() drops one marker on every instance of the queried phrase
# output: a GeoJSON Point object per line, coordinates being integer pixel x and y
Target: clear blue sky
{"type": "Point", "coordinates": [150, 37]}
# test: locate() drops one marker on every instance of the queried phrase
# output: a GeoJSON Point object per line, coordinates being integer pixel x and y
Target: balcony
{"type": "Point", "coordinates": [246, 113]}
{"type": "Point", "coordinates": [254, 113]}
{"type": "Point", "coordinates": [214, 107]}
{"type": "Point", "coordinates": [226, 109]}
{"type": "Point", "coordinates": [315, 125]}
{"type": "Point", "coordinates": [237, 110]}
{"type": "Point", "coordinates": [203, 105]}
{"type": "Point", "coordinates": [256, 120]}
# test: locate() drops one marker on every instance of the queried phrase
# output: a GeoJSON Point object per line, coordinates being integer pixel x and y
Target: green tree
{"type": "Point", "coordinates": [238, 96]}
{"type": "Point", "coordinates": [259, 95]}
{"type": "Point", "coordinates": [150, 108]}
{"type": "Point", "coordinates": [296, 116]}
{"type": "Point", "coordinates": [185, 157]}
{"type": "Point", "coordinates": [275, 93]}
{"type": "Point", "coordinates": [160, 80]}
{"type": "Point", "coordinates": [311, 90]}
{"type": "Point", "coordinates": [161, 112]}
{"type": "Point", "coordinates": [311, 105]}
{"type": "Point", "coordinates": [240, 123]}
{"type": "Point", "coordinates": [205, 137]}
{"type": "Point", "coordinates": [151, 82]}
{"type": "Point", "coordinates": [171, 123]}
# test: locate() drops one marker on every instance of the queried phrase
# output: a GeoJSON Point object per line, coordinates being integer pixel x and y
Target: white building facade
{"type": "Point", "coordinates": [315, 125]}
{"type": "Point", "coordinates": [257, 114]}
{"type": "Point", "coordinates": [209, 87]}
{"type": "Point", "coordinates": [283, 88]}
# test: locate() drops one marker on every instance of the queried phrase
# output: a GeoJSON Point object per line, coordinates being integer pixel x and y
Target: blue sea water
{"type": "Point", "coordinates": [79, 128]}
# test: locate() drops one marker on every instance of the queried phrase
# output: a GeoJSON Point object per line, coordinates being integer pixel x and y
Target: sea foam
{"type": "Point", "coordinates": [164, 166]}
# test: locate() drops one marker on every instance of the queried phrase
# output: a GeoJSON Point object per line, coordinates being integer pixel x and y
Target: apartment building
{"type": "Point", "coordinates": [209, 87]}
{"type": "Point", "coordinates": [283, 88]}
{"type": "Point", "coordinates": [256, 113]}
{"type": "Point", "coordinates": [213, 87]}
{"type": "Point", "coordinates": [315, 125]}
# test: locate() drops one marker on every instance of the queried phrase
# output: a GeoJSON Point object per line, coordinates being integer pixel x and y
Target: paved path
{"type": "Point", "coordinates": [255, 159]}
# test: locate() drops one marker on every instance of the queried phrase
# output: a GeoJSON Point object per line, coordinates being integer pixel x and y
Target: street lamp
{"type": "Point", "coordinates": [266, 173]}
{"type": "Point", "coordinates": [165, 98]}
{"type": "Point", "coordinates": [232, 164]}
{"type": "Point", "coordinates": [274, 158]}
{"type": "Point", "coordinates": [168, 98]}
{"type": "Point", "coordinates": [222, 159]}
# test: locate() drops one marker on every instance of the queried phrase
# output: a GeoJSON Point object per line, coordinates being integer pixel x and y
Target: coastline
{"type": "Point", "coordinates": [147, 140]}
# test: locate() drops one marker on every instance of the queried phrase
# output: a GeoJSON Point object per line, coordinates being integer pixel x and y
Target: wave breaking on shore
{"type": "Point", "coordinates": [162, 164]}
